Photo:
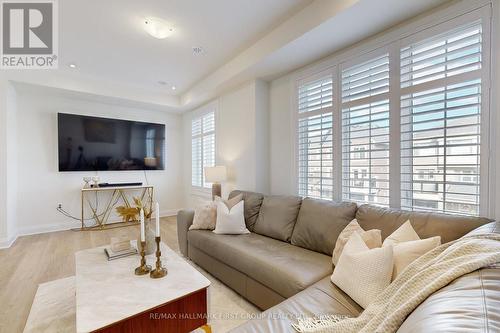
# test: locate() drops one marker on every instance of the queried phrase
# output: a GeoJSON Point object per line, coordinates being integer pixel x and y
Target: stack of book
{"type": "Point", "coordinates": [119, 254]}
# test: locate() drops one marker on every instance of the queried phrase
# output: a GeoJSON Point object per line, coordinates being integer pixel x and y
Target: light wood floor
{"type": "Point", "coordinates": [36, 259]}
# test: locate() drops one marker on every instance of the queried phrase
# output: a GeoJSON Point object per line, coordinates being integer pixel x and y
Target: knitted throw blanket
{"type": "Point", "coordinates": [419, 280]}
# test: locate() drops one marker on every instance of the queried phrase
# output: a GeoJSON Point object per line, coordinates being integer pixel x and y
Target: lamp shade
{"type": "Point", "coordinates": [215, 174]}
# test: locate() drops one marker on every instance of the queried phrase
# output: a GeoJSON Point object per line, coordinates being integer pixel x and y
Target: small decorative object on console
{"type": "Point", "coordinates": [87, 182]}
{"type": "Point", "coordinates": [96, 180]}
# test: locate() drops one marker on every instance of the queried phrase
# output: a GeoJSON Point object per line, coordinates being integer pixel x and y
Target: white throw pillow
{"type": "Point", "coordinates": [406, 252]}
{"type": "Point", "coordinates": [407, 246]}
{"type": "Point", "coordinates": [363, 273]}
{"type": "Point", "coordinates": [372, 238]}
{"type": "Point", "coordinates": [204, 217]}
{"type": "Point", "coordinates": [230, 221]}
{"type": "Point", "coordinates": [404, 233]}
{"type": "Point", "coordinates": [230, 202]}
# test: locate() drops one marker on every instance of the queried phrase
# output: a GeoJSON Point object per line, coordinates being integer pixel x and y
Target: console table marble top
{"type": "Point", "coordinates": [108, 291]}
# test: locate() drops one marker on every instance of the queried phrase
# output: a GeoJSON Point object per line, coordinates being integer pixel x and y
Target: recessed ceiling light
{"type": "Point", "coordinates": [157, 28]}
{"type": "Point", "coordinates": [72, 65]}
{"type": "Point", "coordinates": [197, 50]}
{"type": "Point", "coordinates": [174, 87]}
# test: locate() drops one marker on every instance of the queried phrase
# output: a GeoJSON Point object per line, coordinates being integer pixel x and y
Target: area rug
{"type": "Point", "coordinates": [54, 307]}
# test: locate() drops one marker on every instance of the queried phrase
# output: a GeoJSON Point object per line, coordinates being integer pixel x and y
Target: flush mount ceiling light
{"type": "Point", "coordinates": [174, 87]}
{"type": "Point", "coordinates": [72, 65]}
{"type": "Point", "coordinates": [157, 28]}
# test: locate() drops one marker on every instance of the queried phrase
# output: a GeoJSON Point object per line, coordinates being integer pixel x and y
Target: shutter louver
{"type": "Point", "coordinates": [449, 54]}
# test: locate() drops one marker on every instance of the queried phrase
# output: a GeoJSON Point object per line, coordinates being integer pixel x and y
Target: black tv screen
{"type": "Point", "coordinates": [102, 144]}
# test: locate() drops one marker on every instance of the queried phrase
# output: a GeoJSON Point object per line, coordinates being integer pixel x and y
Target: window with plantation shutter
{"type": "Point", "coordinates": [441, 122]}
{"type": "Point", "coordinates": [202, 148]}
{"type": "Point", "coordinates": [406, 124]}
{"type": "Point", "coordinates": [365, 131]}
{"type": "Point", "coordinates": [315, 138]}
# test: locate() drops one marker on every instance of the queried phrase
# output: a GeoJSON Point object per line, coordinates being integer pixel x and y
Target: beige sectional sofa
{"type": "Point", "coordinates": [284, 265]}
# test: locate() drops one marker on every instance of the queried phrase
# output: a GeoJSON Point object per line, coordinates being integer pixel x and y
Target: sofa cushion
{"type": "Point", "coordinates": [320, 222]}
{"type": "Point", "coordinates": [322, 298]}
{"type": "Point", "coordinates": [277, 216]}
{"type": "Point", "coordinates": [252, 204]}
{"type": "Point", "coordinates": [284, 268]}
{"type": "Point", "coordinates": [449, 227]}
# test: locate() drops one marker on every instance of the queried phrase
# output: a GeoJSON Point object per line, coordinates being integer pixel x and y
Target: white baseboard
{"type": "Point", "coordinates": [44, 228]}
{"type": "Point", "coordinates": [5, 243]}
{"type": "Point", "coordinates": [60, 226]}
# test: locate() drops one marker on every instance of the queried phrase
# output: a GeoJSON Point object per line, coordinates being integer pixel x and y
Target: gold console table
{"type": "Point", "coordinates": [119, 194]}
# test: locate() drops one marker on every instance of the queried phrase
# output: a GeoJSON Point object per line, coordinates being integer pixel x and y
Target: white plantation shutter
{"type": "Point", "coordinates": [449, 54]}
{"type": "Point", "coordinates": [441, 122]}
{"type": "Point", "coordinates": [315, 138]}
{"type": "Point", "coordinates": [409, 126]}
{"type": "Point", "coordinates": [365, 132]}
{"type": "Point", "coordinates": [202, 148]}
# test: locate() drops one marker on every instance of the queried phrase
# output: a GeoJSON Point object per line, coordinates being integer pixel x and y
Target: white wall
{"type": "Point", "coordinates": [280, 136]}
{"type": "Point", "coordinates": [40, 187]}
{"type": "Point", "coordinates": [12, 172]}
{"type": "Point", "coordinates": [241, 140]}
{"type": "Point", "coordinates": [7, 164]}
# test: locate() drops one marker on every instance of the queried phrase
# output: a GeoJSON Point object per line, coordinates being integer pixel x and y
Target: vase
{"type": "Point", "coordinates": [150, 239]}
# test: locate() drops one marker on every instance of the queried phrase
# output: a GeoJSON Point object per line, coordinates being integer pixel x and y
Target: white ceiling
{"type": "Point", "coordinates": [106, 38]}
{"type": "Point", "coordinates": [242, 39]}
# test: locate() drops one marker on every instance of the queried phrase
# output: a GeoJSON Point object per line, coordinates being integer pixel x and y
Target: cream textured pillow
{"type": "Point", "coordinates": [363, 273]}
{"type": "Point", "coordinates": [406, 252]}
{"type": "Point", "coordinates": [230, 221]}
{"type": "Point", "coordinates": [404, 233]}
{"type": "Point", "coordinates": [204, 217]}
{"type": "Point", "coordinates": [372, 238]}
{"type": "Point", "coordinates": [407, 246]}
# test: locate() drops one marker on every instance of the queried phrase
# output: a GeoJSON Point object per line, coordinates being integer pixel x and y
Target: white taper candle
{"type": "Point", "coordinates": [143, 230]}
{"type": "Point", "coordinates": [157, 219]}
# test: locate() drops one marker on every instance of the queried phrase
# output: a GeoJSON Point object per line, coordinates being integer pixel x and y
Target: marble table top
{"type": "Point", "coordinates": [109, 291]}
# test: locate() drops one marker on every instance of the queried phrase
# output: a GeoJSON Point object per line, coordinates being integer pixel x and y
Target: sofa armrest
{"type": "Point", "coordinates": [184, 221]}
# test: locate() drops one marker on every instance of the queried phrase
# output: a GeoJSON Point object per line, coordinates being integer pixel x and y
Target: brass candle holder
{"type": "Point", "coordinates": [159, 271]}
{"type": "Point", "coordinates": [143, 268]}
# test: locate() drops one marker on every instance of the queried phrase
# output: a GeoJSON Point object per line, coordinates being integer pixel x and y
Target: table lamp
{"type": "Point", "coordinates": [215, 175]}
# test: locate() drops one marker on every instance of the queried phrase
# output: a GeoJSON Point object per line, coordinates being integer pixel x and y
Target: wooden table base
{"type": "Point", "coordinates": [180, 316]}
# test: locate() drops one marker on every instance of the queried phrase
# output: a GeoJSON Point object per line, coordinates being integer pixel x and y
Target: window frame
{"type": "Point", "coordinates": [391, 42]}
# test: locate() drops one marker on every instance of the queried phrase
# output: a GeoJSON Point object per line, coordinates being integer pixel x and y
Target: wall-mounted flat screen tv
{"type": "Point", "coordinates": [102, 144]}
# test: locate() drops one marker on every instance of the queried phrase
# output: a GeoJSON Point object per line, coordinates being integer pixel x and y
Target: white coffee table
{"type": "Point", "coordinates": [111, 298]}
